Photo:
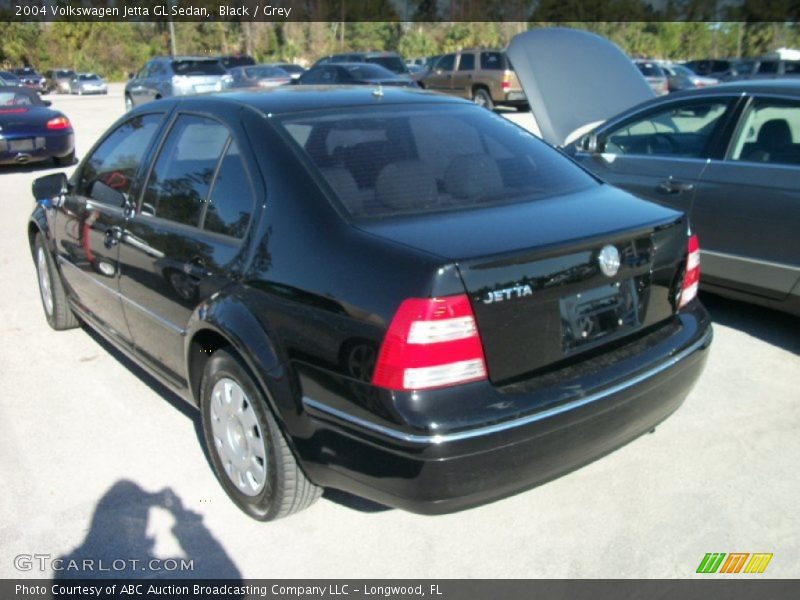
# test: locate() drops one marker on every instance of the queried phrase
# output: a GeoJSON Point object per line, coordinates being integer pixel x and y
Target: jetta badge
{"type": "Point", "coordinates": [608, 259]}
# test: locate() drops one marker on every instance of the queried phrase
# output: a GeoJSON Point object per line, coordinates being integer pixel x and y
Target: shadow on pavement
{"type": "Point", "coordinates": [776, 328]}
{"type": "Point", "coordinates": [120, 545]}
{"type": "Point", "coordinates": [172, 398]}
{"type": "Point", "coordinates": [354, 502]}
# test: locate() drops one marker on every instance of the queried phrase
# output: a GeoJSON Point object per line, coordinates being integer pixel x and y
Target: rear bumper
{"type": "Point", "coordinates": [433, 473]}
{"type": "Point", "coordinates": [43, 146]}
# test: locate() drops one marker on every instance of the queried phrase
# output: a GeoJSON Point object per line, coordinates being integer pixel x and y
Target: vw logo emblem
{"type": "Point", "coordinates": [608, 259]}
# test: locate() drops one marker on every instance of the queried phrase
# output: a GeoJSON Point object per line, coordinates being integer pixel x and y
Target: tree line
{"type": "Point", "coordinates": [114, 49]}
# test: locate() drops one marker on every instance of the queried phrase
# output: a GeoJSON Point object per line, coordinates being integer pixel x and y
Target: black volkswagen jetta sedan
{"type": "Point", "coordinates": [385, 291]}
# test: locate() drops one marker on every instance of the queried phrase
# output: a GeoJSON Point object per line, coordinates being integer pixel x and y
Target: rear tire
{"type": "Point", "coordinates": [248, 451]}
{"type": "Point", "coordinates": [51, 289]}
{"type": "Point", "coordinates": [482, 98]}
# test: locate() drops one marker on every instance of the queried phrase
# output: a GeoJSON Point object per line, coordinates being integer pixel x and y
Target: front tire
{"type": "Point", "coordinates": [248, 451]}
{"type": "Point", "coordinates": [128, 103]}
{"type": "Point", "coordinates": [51, 290]}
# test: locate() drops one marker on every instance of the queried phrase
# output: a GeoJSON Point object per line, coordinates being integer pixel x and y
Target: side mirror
{"type": "Point", "coordinates": [50, 186]}
{"type": "Point", "coordinates": [131, 75]}
{"type": "Point", "coordinates": [589, 143]}
{"type": "Point", "coordinates": [47, 103]}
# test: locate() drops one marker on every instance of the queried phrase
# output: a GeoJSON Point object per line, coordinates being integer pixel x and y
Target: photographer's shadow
{"type": "Point", "coordinates": [119, 544]}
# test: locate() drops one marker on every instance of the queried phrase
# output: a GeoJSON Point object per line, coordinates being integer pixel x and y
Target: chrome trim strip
{"type": "Point", "coordinates": [157, 318]}
{"type": "Point", "coordinates": [755, 261]}
{"type": "Point", "coordinates": [498, 427]}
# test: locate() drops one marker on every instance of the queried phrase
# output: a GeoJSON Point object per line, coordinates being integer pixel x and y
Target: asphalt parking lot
{"type": "Point", "coordinates": [101, 462]}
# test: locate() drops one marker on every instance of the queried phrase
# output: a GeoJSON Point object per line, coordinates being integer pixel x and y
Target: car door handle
{"type": "Point", "coordinates": [112, 237]}
{"type": "Point", "coordinates": [673, 186]}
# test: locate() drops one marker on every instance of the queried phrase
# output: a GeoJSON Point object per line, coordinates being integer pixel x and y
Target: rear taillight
{"type": "Point", "coordinates": [506, 81]}
{"type": "Point", "coordinates": [58, 123]}
{"type": "Point", "coordinates": [431, 342]}
{"type": "Point", "coordinates": [691, 278]}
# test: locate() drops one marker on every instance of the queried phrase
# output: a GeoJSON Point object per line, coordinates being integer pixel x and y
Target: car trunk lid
{"type": "Point", "coordinates": [536, 286]}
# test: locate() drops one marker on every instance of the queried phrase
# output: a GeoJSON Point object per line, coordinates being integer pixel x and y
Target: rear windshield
{"type": "Point", "coordinates": [743, 67]}
{"type": "Point", "coordinates": [393, 63]}
{"type": "Point", "coordinates": [197, 67]}
{"type": "Point", "coordinates": [289, 68]}
{"type": "Point", "coordinates": [393, 160]}
{"type": "Point", "coordinates": [367, 71]}
{"type": "Point", "coordinates": [242, 60]}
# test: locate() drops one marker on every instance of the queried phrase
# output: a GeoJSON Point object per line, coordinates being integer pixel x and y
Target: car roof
{"type": "Point", "coordinates": [787, 87]}
{"type": "Point", "coordinates": [292, 99]}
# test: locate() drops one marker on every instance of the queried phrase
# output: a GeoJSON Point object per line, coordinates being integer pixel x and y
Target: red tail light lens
{"type": "Point", "coordinates": [506, 81]}
{"type": "Point", "coordinates": [58, 123]}
{"type": "Point", "coordinates": [430, 343]}
{"type": "Point", "coordinates": [691, 279]}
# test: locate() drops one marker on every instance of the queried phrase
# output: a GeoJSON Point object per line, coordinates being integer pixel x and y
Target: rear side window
{"type": "Point", "coordinates": [446, 63]}
{"type": "Point", "coordinates": [768, 66]}
{"type": "Point", "coordinates": [467, 62]}
{"type": "Point", "coordinates": [388, 161]}
{"type": "Point", "coordinates": [115, 161]}
{"type": "Point", "coordinates": [791, 67]}
{"type": "Point", "coordinates": [181, 178]}
{"type": "Point", "coordinates": [231, 200]}
{"type": "Point", "coordinates": [493, 61]}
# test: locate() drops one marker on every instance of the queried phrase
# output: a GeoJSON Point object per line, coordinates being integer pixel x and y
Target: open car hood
{"type": "Point", "coordinates": [573, 79]}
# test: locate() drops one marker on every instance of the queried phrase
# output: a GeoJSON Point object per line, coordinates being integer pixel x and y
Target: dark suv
{"type": "Point", "coordinates": [388, 60]}
{"type": "Point", "coordinates": [163, 77]}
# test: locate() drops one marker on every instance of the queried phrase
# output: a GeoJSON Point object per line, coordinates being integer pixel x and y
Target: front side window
{"type": "Point", "coordinates": [389, 161]}
{"type": "Point", "coordinates": [115, 161]}
{"type": "Point", "coordinates": [682, 131]}
{"type": "Point", "coordinates": [446, 63]}
{"type": "Point", "coordinates": [770, 133]}
{"type": "Point", "coordinates": [181, 178]}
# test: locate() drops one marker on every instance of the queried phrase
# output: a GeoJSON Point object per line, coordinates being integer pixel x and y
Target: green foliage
{"type": "Point", "coordinates": [114, 49]}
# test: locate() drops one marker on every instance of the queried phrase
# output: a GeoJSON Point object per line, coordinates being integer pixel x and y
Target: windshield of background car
{"type": "Point", "coordinates": [89, 77]}
{"type": "Point", "coordinates": [650, 70]}
{"type": "Point", "coordinates": [399, 160]}
{"type": "Point", "coordinates": [393, 63]}
{"type": "Point", "coordinates": [64, 74]}
{"type": "Point", "coordinates": [197, 67]}
{"type": "Point", "coordinates": [264, 72]}
{"type": "Point", "coordinates": [18, 97]}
